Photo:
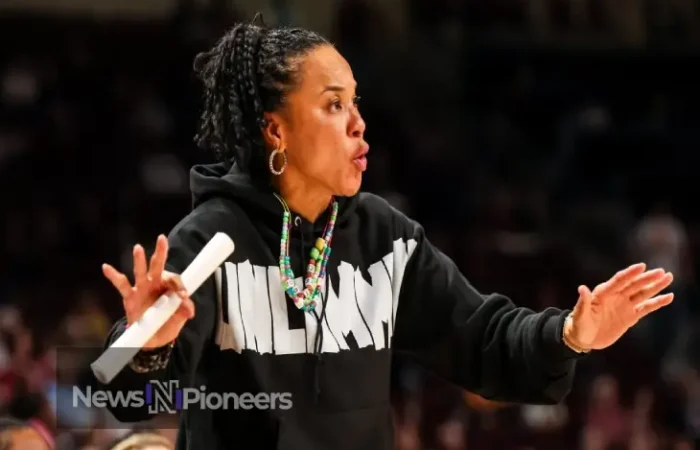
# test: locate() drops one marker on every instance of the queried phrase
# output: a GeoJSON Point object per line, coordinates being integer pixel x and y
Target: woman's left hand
{"type": "Point", "coordinates": [601, 317]}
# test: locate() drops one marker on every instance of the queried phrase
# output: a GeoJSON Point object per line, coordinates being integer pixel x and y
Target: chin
{"type": "Point", "coordinates": [350, 187]}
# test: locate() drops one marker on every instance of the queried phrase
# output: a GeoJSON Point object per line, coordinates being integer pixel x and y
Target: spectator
{"type": "Point", "coordinates": [142, 440]}
{"type": "Point", "coordinates": [661, 240]}
{"type": "Point", "coordinates": [18, 435]}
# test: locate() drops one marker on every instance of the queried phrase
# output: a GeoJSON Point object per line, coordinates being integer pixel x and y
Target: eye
{"type": "Point", "coordinates": [336, 105]}
{"type": "Point", "coordinates": [356, 100]}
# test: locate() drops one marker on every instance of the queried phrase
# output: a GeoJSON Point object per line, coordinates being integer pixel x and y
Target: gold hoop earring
{"type": "Point", "coordinates": [271, 162]}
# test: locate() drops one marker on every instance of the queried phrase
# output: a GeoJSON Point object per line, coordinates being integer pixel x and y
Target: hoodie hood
{"type": "Point", "coordinates": [258, 199]}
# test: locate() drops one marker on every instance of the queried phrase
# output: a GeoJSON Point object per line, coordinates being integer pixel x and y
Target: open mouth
{"type": "Point", "coordinates": [361, 162]}
{"type": "Point", "coordinates": [361, 159]}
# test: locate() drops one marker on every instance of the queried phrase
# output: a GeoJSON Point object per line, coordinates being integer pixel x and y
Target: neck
{"type": "Point", "coordinates": [302, 197]}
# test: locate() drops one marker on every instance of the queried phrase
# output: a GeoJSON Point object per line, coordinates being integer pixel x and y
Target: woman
{"type": "Point", "coordinates": [280, 111]}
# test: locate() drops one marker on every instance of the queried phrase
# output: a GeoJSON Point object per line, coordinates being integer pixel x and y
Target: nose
{"type": "Point", "coordinates": [357, 125]}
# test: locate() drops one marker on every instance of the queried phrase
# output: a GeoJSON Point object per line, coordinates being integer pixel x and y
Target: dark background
{"type": "Point", "coordinates": [543, 144]}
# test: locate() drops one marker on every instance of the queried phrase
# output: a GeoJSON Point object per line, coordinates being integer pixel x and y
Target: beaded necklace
{"type": "Point", "coordinates": [316, 269]}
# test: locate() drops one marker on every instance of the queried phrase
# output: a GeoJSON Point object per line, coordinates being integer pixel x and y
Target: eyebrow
{"type": "Point", "coordinates": [333, 88]}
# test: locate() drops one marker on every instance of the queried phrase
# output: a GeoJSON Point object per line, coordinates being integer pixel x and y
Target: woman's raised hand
{"type": "Point", "coordinates": [150, 282]}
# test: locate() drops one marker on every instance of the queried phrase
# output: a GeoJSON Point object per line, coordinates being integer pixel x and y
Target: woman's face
{"type": "Point", "coordinates": [320, 127]}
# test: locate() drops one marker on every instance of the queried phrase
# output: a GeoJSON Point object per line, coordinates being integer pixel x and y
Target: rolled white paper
{"type": "Point", "coordinates": [121, 351]}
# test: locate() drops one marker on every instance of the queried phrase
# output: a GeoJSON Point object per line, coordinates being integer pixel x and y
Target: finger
{"type": "Point", "coordinates": [140, 269]}
{"type": "Point", "coordinates": [585, 294]}
{"type": "Point", "coordinates": [585, 302]}
{"type": "Point", "coordinates": [187, 307]}
{"type": "Point", "coordinates": [642, 281]}
{"type": "Point", "coordinates": [622, 278]}
{"type": "Point", "coordinates": [160, 255]}
{"type": "Point", "coordinates": [652, 289]}
{"type": "Point", "coordinates": [118, 280]}
{"type": "Point", "coordinates": [173, 282]}
{"type": "Point", "coordinates": [654, 304]}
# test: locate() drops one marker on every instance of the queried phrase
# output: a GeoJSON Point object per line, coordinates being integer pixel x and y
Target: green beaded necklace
{"type": "Point", "coordinates": [316, 269]}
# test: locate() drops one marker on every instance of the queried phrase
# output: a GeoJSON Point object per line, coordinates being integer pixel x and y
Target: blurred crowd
{"type": "Point", "coordinates": [542, 144]}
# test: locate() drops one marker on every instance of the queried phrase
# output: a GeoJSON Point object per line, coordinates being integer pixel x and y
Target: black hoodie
{"type": "Point", "coordinates": [388, 290]}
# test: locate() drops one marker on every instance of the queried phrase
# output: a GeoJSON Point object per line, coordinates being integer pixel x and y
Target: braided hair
{"type": "Point", "coordinates": [247, 73]}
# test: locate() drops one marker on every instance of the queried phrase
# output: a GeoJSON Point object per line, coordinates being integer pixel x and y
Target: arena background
{"type": "Point", "coordinates": [542, 143]}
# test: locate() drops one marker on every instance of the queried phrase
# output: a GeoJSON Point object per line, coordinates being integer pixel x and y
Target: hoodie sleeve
{"type": "Point", "coordinates": [185, 242]}
{"type": "Point", "coordinates": [483, 343]}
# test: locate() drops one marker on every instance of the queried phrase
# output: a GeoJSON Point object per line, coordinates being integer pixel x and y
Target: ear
{"type": "Point", "coordinates": [273, 131]}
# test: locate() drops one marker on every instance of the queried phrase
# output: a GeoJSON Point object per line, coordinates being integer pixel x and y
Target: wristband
{"type": "Point", "coordinates": [567, 341]}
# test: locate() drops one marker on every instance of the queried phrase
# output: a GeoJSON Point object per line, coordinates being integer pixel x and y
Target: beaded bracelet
{"type": "Point", "coordinates": [147, 361]}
